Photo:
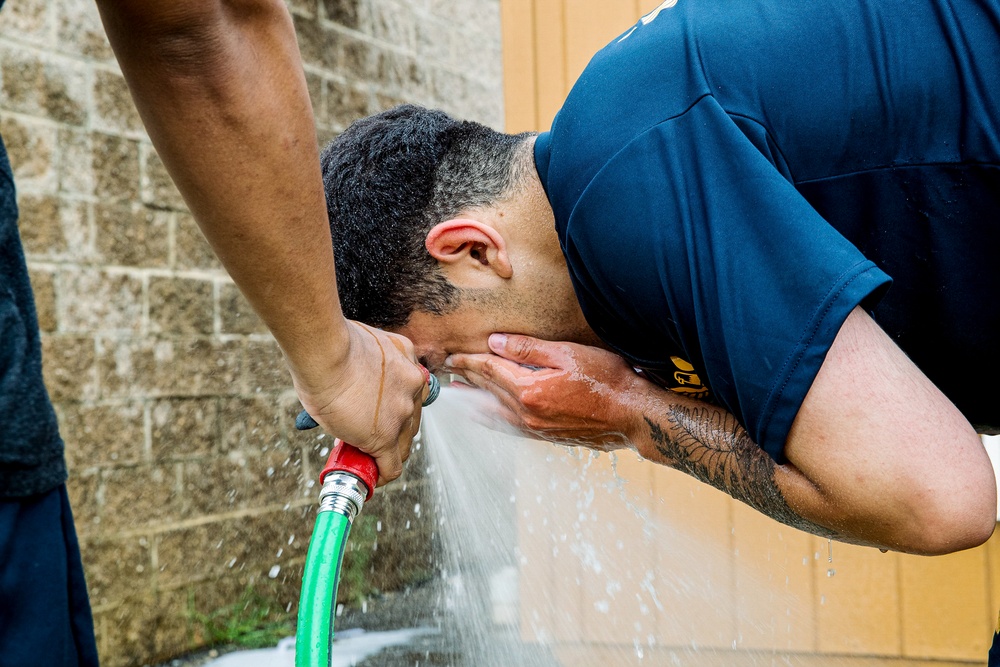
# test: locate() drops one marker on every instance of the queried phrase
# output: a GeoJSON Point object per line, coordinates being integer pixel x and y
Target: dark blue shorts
{"type": "Point", "coordinates": [995, 651]}
{"type": "Point", "coordinates": [44, 610]}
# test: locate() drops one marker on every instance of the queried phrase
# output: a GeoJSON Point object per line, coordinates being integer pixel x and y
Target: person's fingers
{"type": "Point", "coordinates": [401, 450]}
{"type": "Point", "coordinates": [390, 466]}
{"type": "Point", "coordinates": [490, 367]}
{"type": "Point", "coordinates": [494, 374]}
{"type": "Point", "coordinates": [507, 396]}
{"type": "Point", "coordinates": [527, 350]}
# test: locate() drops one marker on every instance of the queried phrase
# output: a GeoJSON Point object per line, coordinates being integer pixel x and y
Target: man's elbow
{"type": "Point", "coordinates": [948, 522]}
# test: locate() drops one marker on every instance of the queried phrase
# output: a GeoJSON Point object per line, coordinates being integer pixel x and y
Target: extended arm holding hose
{"type": "Point", "coordinates": [220, 89]}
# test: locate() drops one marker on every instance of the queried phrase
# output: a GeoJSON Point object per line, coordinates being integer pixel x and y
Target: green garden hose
{"type": "Point", "coordinates": [317, 605]}
{"type": "Point", "coordinates": [347, 481]}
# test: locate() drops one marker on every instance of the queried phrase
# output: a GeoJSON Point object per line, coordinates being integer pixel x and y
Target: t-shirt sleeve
{"type": "Point", "coordinates": [691, 234]}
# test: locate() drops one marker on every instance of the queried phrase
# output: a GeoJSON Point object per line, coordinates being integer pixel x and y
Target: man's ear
{"type": "Point", "coordinates": [468, 244]}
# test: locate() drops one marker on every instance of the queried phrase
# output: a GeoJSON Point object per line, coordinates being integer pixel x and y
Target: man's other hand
{"type": "Point", "coordinates": [560, 392]}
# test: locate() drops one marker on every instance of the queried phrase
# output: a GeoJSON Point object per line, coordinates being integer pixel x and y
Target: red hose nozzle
{"type": "Point", "coordinates": [350, 459]}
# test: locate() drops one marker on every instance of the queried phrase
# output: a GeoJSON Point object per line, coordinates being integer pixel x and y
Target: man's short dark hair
{"type": "Point", "coordinates": [389, 179]}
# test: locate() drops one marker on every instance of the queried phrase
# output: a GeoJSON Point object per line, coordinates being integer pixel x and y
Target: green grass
{"type": "Point", "coordinates": [355, 574]}
{"type": "Point", "coordinates": [253, 621]}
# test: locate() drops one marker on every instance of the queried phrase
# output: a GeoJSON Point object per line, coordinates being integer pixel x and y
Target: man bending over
{"type": "Point", "coordinates": [779, 221]}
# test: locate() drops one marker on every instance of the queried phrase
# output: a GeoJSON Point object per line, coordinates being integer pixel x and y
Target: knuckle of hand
{"type": "Point", "coordinates": [522, 347]}
{"type": "Point", "coordinates": [534, 401]}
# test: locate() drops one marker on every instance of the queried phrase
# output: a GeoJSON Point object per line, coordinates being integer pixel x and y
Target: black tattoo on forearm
{"type": "Point", "coordinates": [710, 445]}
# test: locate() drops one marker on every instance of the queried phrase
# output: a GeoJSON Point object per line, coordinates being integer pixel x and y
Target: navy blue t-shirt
{"type": "Point", "coordinates": [730, 178]}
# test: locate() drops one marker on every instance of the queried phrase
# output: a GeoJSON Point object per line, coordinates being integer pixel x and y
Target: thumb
{"type": "Point", "coordinates": [527, 350]}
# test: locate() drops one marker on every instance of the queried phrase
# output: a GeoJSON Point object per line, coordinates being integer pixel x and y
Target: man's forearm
{"type": "Point", "coordinates": [220, 89]}
{"type": "Point", "coordinates": [709, 444]}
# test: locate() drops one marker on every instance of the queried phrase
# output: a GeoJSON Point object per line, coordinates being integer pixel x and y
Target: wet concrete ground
{"type": "Point", "coordinates": [443, 643]}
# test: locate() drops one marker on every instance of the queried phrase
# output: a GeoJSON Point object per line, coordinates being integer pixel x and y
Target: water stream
{"type": "Point", "coordinates": [551, 555]}
{"type": "Point", "coordinates": [548, 551]}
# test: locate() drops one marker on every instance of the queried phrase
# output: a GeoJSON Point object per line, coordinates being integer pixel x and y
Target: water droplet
{"type": "Point", "coordinates": [830, 572]}
{"type": "Point", "coordinates": [273, 572]}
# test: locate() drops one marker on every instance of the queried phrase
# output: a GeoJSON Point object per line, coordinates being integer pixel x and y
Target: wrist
{"type": "Point", "coordinates": [316, 360]}
{"type": "Point", "coordinates": [639, 401]}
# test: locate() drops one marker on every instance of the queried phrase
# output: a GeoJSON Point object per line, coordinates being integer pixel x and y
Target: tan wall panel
{"type": "Point", "coordinates": [550, 60]}
{"type": "Point", "coordinates": [944, 605]}
{"type": "Point", "coordinates": [617, 607]}
{"type": "Point", "coordinates": [535, 546]}
{"type": "Point", "coordinates": [695, 562]}
{"type": "Point", "coordinates": [518, 24]}
{"type": "Point", "coordinates": [993, 553]}
{"type": "Point", "coordinates": [551, 581]}
{"type": "Point", "coordinates": [599, 656]}
{"type": "Point", "coordinates": [590, 26]}
{"type": "Point", "coordinates": [857, 608]}
{"type": "Point", "coordinates": [774, 583]}
{"type": "Point", "coordinates": [646, 6]}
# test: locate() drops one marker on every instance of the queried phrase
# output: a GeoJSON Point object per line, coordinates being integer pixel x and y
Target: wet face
{"type": "Point", "coordinates": [434, 337]}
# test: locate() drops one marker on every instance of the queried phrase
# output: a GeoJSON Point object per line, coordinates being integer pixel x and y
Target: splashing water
{"type": "Point", "coordinates": [552, 557]}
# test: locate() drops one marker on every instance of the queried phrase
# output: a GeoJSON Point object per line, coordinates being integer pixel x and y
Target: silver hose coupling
{"type": "Point", "coordinates": [343, 493]}
{"type": "Point", "coordinates": [433, 390]}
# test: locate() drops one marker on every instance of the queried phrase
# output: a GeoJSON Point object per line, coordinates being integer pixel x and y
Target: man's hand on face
{"type": "Point", "coordinates": [371, 398]}
{"type": "Point", "coordinates": [560, 392]}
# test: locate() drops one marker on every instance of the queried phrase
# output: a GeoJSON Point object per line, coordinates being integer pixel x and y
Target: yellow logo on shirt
{"type": "Point", "coordinates": [686, 380]}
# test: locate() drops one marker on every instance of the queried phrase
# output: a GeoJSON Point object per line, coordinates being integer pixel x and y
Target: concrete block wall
{"type": "Point", "coordinates": [189, 484]}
